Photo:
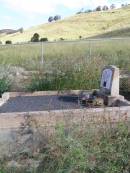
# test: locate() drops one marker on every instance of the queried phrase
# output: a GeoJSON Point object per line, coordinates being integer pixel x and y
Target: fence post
{"type": "Point", "coordinates": [42, 53]}
{"type": "Point", "coordinates": [90, 51]}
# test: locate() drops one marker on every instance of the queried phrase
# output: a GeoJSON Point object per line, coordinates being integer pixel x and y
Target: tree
{"type": "Point", "coordinates": [50, 19]}
{"type": "Point", "coordinates": [80, 37]}
{"type": "Point", "coordinates": [81, 11]}
{"type": "Point", "coordinates": [21, 30]}
{"type": "Point", "coordinates": [88, 11]}
{"type": "Point", "coordinates": [112, 6]}
{"type": "Point", "coordinates": [8, 42]}
{"type": "Point", "coordinates": [44, 39]}
{"type": "Point", "coordinates": [35, 38]}
{"type": "Point", "coordinates": [57, 17]}
{"type": "Point", "coordinates": [105, 8]}
{"type": "Point", "coordinates": [62, 39]}
{"type": "Point", "coordinates": [99, 8]}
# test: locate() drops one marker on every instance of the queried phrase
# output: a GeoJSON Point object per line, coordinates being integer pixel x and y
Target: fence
{"type": "Point", "coordinates": [66, 64]}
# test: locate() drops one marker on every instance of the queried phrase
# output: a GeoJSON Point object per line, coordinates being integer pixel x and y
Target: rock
{"type": "Point", "coordinates": [13, 164]}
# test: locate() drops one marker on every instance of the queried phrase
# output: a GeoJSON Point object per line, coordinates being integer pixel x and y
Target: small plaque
{"type": "Point", "coordinates": [106, 79]}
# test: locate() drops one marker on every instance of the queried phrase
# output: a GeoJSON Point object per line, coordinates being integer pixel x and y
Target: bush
{"type": "Point", "coordinates": [113, 6]}
{"type": "Point", "coordinates": [99, 8]}
{"type": "Point", "coordinates": [4, 85]}
{"type": "Point", "coordinates": [43, 39]}
{"type": "Point", "coordinates": [80, 37]}
{"type": "Point", "coordinates": [105, 8]}
{"type": "Point", "coordinates": [62, 39]}
{"type": "Point", "coordinates": [35, 38]}
{"type": "Point", "coordinates": [8, 42]}
{"type": "Point", "coordinates": [57, 17]}
{"type": "Point", "coordinates": [51, 19]}
{"type": "Point", "coordinates": [66, 75]}
{"type": "Point", "coordinates": [88, 11]}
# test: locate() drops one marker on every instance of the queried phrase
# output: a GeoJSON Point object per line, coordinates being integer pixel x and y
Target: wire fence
{"type": "Point", "coordinates": [69, 64]}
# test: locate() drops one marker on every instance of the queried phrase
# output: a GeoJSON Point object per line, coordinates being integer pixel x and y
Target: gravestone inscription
{"type": "Point", "coordinates": [110, 81]}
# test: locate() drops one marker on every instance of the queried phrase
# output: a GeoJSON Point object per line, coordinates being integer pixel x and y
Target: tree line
{"type": "Point", "coordinates": [101, 8]}
{"type": "Point", "coordinates": [55, 18]}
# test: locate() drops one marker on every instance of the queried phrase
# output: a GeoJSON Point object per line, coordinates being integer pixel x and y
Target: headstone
{"type": "Point", "coordinates": [109, 86]}
{"type": "Point", "coordinates": [110, 81]}
{"type": "Point", "coordinates": [108, 94]}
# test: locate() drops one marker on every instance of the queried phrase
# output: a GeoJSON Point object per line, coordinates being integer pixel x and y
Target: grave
{"type": "Point", "coordinates": [108, 94]}
{"type": "Point", "coordinates": [51, 108]}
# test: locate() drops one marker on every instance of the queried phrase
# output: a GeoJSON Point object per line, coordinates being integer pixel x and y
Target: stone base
{"type": "Point", "coordinates": [114, 101]}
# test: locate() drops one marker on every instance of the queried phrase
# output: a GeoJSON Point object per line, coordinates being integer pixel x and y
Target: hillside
{"type": "Point", "coordinates": [10, 31]}
{"type": "Point", "coordinates": [113, 23]}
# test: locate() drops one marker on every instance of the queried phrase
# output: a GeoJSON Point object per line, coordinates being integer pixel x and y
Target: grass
{"type": "Point", "coordinates": [88, 149]}
{"type": "Point", "coordinates": [67, 65]}
{"type": "Point", "coordinates": [85, 25]}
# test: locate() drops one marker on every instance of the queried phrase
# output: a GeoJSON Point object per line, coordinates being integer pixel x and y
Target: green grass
{"type": "Point", "coordinates": [113, 23]}
{"type": "Point", "coordinates": [88, 149]}
{"type": "Point", "coordinates": [67, 65]}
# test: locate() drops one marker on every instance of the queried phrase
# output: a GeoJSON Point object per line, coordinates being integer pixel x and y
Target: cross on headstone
{"type": "Point", "coordinates": [110, 81]}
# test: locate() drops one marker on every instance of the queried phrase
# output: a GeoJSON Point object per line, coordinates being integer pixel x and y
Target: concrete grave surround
{"type": "Point", "coordinates": [48, 120]}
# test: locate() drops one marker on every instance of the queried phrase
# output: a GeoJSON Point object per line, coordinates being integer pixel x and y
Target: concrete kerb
{"type": "Point", "coordinates": [7, 95]}
{"type": "Point", "coordinates": [51, 118]}
{"type": "Point", "coordinates": [40, 93]}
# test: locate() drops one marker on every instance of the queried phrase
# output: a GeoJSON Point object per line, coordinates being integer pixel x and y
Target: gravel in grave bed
{"type": "Point", "coordinates": [43, 103]}
{"type": "Point", "coordinates": [40, 103]}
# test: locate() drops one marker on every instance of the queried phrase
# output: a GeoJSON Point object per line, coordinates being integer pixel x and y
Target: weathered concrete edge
{"type": "Point", "coordinates": [8, 95]}
{"type": "Point", "coordinates": [5, 97]}
{"type": "Point", "coordinates": [51, 118]}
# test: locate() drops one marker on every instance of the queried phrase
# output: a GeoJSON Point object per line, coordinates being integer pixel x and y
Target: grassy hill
{"type": "Point", "coordinates": [113, 23]}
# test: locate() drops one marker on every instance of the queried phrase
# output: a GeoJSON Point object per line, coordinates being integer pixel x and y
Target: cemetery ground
{"type": "Point", "coordinates": [75, 148]}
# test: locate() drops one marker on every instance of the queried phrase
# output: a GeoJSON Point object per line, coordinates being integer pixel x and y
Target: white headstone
{"type": "Point", "coordinates": [110, 81]}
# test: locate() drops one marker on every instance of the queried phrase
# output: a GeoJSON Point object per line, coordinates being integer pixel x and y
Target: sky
{"type": "Point", "coordinates": [26, 13]}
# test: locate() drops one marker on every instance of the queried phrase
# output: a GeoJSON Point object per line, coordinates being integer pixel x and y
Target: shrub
{"type": "Point", "coordinates": [57, 17]}
{"type": "Point", "coordinates": [105, 8]}
{"type": "Point", "coordinates": [88, 11]}
{"type": "Point", "coordinates": [113, 6]}
{"type": "Point", "coordinates": [80, 37]}
{"type": "Point", "coordinates": [8, 42]}
{"type": "Point", "coordinates": [99, 8]}
{"type": "Point", "coordinates": [62, 39]}
{"type": "Point", "coordinates": [0, 42]}
{"type": "Point", "coordinates": [4, 85]}
{"type": "Point", "coordinates": [79, 12]}
{"type": "Point", "coordinates": [50, 19]}
{"type": "Point", "coordinates": [66, 75]}
{"type": "Point", "coordinates": [44, 39]}
{"type": "Point", "coordinates": [35, 38]}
